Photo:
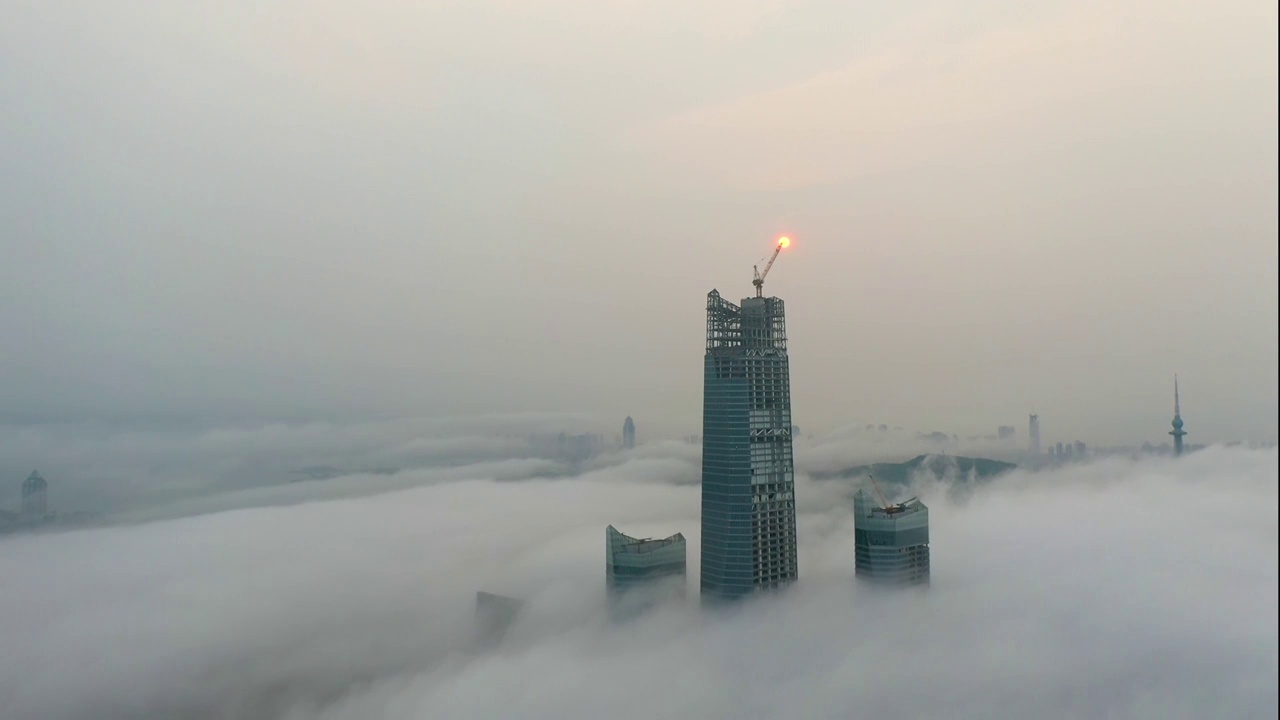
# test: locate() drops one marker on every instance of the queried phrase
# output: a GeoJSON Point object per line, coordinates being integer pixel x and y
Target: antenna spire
{"type": "Point", "coordinates": [1177, 431]}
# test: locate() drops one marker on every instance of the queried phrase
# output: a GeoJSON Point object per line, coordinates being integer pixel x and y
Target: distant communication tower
{"type": "Point", "coordinates": [1177, 431]}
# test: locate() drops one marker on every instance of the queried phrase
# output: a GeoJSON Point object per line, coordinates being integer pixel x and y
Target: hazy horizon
{"type": "Point", "coordinates": [224, 213]}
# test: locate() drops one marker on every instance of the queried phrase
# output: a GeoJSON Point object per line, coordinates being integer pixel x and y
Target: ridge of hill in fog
{"type": "Point", "coordinates": [940, 466]}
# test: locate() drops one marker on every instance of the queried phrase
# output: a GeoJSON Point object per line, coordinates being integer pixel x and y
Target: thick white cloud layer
{"type": "Point", "coordinates": [1109, 590]}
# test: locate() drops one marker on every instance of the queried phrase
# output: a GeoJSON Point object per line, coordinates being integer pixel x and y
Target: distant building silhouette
{"type": "Point", "coordinates": [1034, 432]}
{"type": "Point", "coordinates": [641, 572]}
{"type": "Point", "coordinates": [1004, 433]}
{"type": "Point", "coordinates": [35, 492]}
{"type": "Point", "coordinates": [939, 438]}
{"type": "Point", "coordinates": [628, 433]}
{"type": "Point", "coordinates": [891, 545]}
{"type": "Point", "coordinates": [576, 448]}
{"type": "Point", "coordinates": [1177, 431]}
{"type": "Point", "coordinates": [494, 615]}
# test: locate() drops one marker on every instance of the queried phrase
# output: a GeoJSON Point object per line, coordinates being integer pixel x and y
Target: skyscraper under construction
{"type": "Point", "coordinates": [748, 474]}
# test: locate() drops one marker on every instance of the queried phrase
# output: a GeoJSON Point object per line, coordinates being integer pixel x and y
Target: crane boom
{"type": "Point", "coordinates": [884, 503]}
{"type": "Point", "coordinates": [758, 280]}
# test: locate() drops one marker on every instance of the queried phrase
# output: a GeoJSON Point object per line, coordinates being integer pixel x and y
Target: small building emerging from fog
{"type": "Point", "coordinates": [494, 615]}
{"type": "Point", "coordinates": [629, 433]}
{"type": "Point", "coordinates": [35, 496]}
{"type": "Point", "coordinates": [642, 572]}
{"type": "Point", "coordinates": [891, 542]}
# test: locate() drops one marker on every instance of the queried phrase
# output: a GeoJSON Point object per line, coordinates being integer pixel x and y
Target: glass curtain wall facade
{"type": "Point", "coordinates": [748, 473]}
{"type": "Point", "coordinates": [641, 572]}
{"type": "Point", "coordinates": [891, 546]}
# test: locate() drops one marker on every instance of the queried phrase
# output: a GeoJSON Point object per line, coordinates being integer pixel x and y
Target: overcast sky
{"type": "Point", "coordinates": [1104, 590]}
{"type": "Point", "coordinates": [317, 209]}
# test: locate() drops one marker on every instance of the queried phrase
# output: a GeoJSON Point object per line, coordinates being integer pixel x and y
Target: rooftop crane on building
{"type": "Point", "coordinates": [758, 280]}
{"type": "Point", "coordinates": [884, 503]}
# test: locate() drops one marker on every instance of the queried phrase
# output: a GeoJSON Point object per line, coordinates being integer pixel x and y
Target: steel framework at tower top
{"type": "Point", "coordinates": [724, 323]}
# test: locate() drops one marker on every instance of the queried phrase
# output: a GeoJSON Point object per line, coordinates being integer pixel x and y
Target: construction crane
{"type": "Point", "coordinates": [758, 280]}
{"type": "Point", "coordinates": [884, 503]}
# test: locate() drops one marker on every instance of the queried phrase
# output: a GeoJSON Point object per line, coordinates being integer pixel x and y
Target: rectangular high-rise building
{"type": "Point", "coordinates": [748, 473]}
{"type": "Point", "coordinates": [1034, 433]}
{"type": "Point", "coordinates": [629, 433]}
{"type": "Point", "coordinates": [891, 545]}
{"type": "Point", "coordinates": [641, 572]}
